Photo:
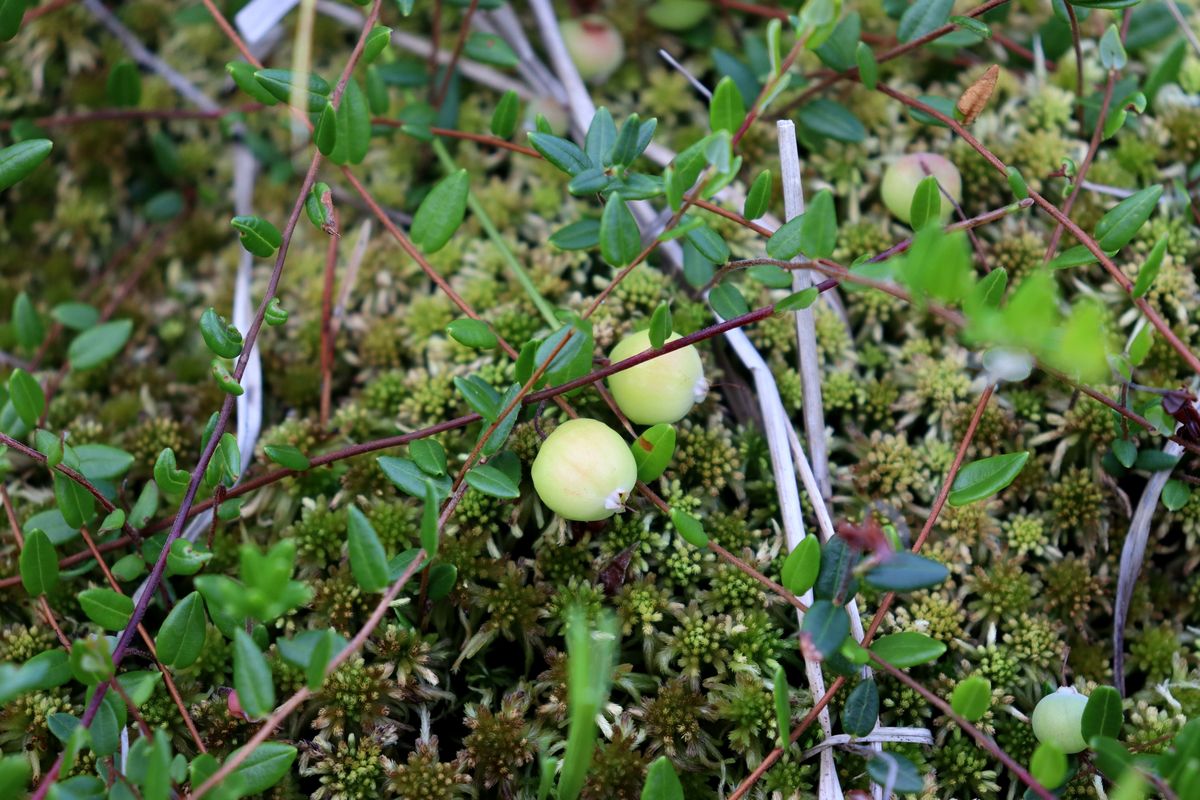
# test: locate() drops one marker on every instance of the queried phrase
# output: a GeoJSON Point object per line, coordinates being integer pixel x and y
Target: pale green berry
{"type": "Point", "coordinates": [1058, 720]}
{"type": "Point", "coordinates": [902, 176]}
{"type": "Point", "coordinates": [595, 46]}
{"type": "Point", "coordinates": [584, 471]}
{"type": "Point", "coordinates": [663, 389]}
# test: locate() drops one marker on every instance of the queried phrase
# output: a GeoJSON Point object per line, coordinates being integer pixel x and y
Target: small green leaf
{"type": "Point", "coordinates": [581, 235]}
{"type": "Point", "coordinates": [1175, 495]}
{"type": "Point", "coordinates": [75, 502]}
{"type": "Point", "coordinates": [368, 560]}
{"type": "Point", "coordinates": [410, 478]}
{"type": "Point", "coordinates": [727, 109]}
{"type": "Point", "coordinates": [243, 77]}
{"type": "Point", "coordinates": [653, 450]}
{"type": "Point", "coordinates": [689, 528]}
{"type": "Point", "coordinates": [1048, 765]}
{"type": "Point", "coordinates": [279, 84]}
{"type": "Point", "coordinates": [972, 698]}
{"type": "Point", "coordinates": [222, 338]}
{"type": "Point", "coordinates": [429, 521]}
{"type": "Point", "coordinates": [252, 676]}
{"type": "Point", "coordinates": [38, 564]}
{"type": "Point", "coordinates": [1076, 256]}
{"type": "Point", "coordinates": [1103, 716]}
{"type": "Point", "coordinates": [1149, 270]}
{"type": "Point", "coordinates": [472, 333]}
{"type": "Point", "coordinates": [973, 25]}
{"type": "Point", "coordinates": [489, 49]}
{"type": "Point", "coordinates": [1116, 228]}
{"type": "Point", "coordinates": [124, 84]}
{"type": "Point", "coordinates": [504, 118]}
{"type": "Point", "coordinates": [96, 345]}
{"type": "Point", "coordinates": [263, 768]}
{"type": "Point", "coordinates": [986, 477]}
{"type": "Point", "coordinates": [259, 237]}
{"type": "Point", "coordinates": [818, 226]}
{"type": "Point", "coordinates": [1112, 52]}
{"type": "Point", "coordinates": [861, 711]}
{"type": "Point", "coordinates": [908, 649]}
{"type": "Point", "coordinates": [771, 276]}
{"type": "Point", "coordinates": [378, 39]}
{"type": "Point", "coordinates": [708, 243]}
{"type": "Point", "coordinates": [827, 119]}
{"type": "Point", "coordinates": [27, 323]}
{"type": "Point", "coordinates": [325, 133]}
{"type": "Point", "coordinates": [727, 301]}
{"type": "Point", "coordinates": [287, 457]}
{"type": "Point", "coordinates": [893, 769]}
{"type": "Point", "coordinates": [868, 67]}
{"type": "Point", "coordinates": [1125, 452]}
{"type": "Point", "coordinates": [783, 705]}
{"type": "Point", "coordinates": [827, 626]}
{"type": "Point", "coordinates": [27, 396]}
{"type": "Point", "coordinates": [20, 159]}
{"type": "Point", "coordinates": [905, 572]}
{"type": "Point", "coordinates": [926, 203]}
{"type": "Point", "coordinates": [106, 608]}
{"type": "Point", "coordinates": [922, 17]}
{"type": "Point", "coordinates": [429, 456]}
{"type": "Point", "coordinates": [353, 126]}
{"type": "Point", "coordinates": [562, 153]}
{"type": "Point", "coordinates": [491, 481]}
{"type": "Point", "coordinates": [620, 239]}
{"type": "Point", "coordinates": [441, 212]}
{"type": "Point", "coordinates": [275, 314]}
{"type": "Point", "coordinates": [661, 781]}
{"type": "Point", "coordinates": [801, 567]}
{"type": "Point", "coordinates": [1016, 182]}
{"type": "Point", "coordinates": [759, 196]}
{"type": "Point", "coordinates": [798, 300]}
{"type": "Point", "coordinates": [660, 326]}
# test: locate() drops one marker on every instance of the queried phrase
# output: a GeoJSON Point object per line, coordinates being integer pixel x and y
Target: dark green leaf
{"type": "Point", "coordinates": [287, 457]}
{"type": "Point", "coordinates": [441, 212]}
{"type": "Point", "coordinates": [926, 203]}
{"type": "Point", "coordinates": [75, 502]}
{"type": "Point", "coordinates": [27, 396]}
{"type": "Point", "coordinates": [1175, 495]}
{"type": "Point", "coordinates": [1110, 755]}
{"type": "Point", "coordinates": [1076, 256]}
{"type": "Point", "coordinates": [727, 109]}
{"type": "Point", "coordinates": [560, 152]}
{"type": "Point", "coordinates": [905, 572]}
{"type": "Point", "coordinates": [620, 239]}
{"type": "Point", "coordinates": [429, 456]}
{"type": "Point", "coordinates": [861, 711]}
{"type": "Point", "coordinates": [1102, 716]}
{"type": "Point", "coordinates": [38, 564]}
{"type": "Point", "coordinates": [368, 561]}
{"type": "Point", "coordinates": [243, 76]}
{"type": "Point", "coordinates": [1125, 451]}
{"type": "Point", "coordinates": [972, 698]}
{"type": "Point", "coordinates": [1150, 268]}
{"type": "Point", "coordinates": [759, 196]}
{"type": "Point", "coordinates": [325, 134]}
{"type": "Point", "coordinates": [727, 301]}
{"type": "Point", "coordinates": [27, 323]}
{"type": "Point", "coordinates": [801, 567]}
{"type": "Point", "coordinates": [489, 49]}
{"type": "Point", "coordinates": [783, 705]}
{"type": "Point", "coordinates": [689, 528]}
{"type": "Point", "coordinates": [96, 345]}
{"type": "Point", "coordinates": [771, 276]}
{"type": "Point", "coordinates": [258, 236]}
{"type": "Point", "coordinates": [660, 326]}
{"type": "Point", "coordinates": [491, 481]}
{"type": "Point", "coordinates": [828, 119]}
{"type": "Point", "coordinates": [20, 159]}
{"type": "Point", "coordinates": [581, 235]}
{"type": "Point", "coordinates": [99, 462]}
{"type": "Point", "coordinates": [252, 676]}
{"type": "Point", "coordinates": [653, 450]}
{"type": "Point", "coordinates": [799, 300]}
{"type": "Point", "coordinates": [504, 118]}
{"type": "Point", "coordinates": [429, 521]}
{"type": "Point", "coordinates": [410, 478]}
{"type": "Point", "coordinates": [264, 767]}
{"type": "Point", "coordinates": [868, 67]}
{"type": "Point", "coordinates": [1116, 228]}
{"type": "Point", "coordinates": [908, 649]}
{"type": "Point", "coordinates": [892, 769]}
{"type": "Point", "coordinates": [124, 84]}
{"type": "Point", "coordinates": [661, 781]}
{"type": "Point", "coordinates": [12, 13]}
{"type": "Point", "coordinates": [986, 477]}
{"type": "Point", "coordinates": [826, 626]}
{"type": "Point", "coordinates": [838, 561]}
{"type": "Point", "coordinates": [278, 82]}
{"type": "Point", "coordinates": [353, 127]}
{"type": "Point", "coordinates": [818, 226]}
{"type": "Point", "coordinates": [106, 608]}
{"type": "Point", "coordinates": [922, 17]}
{"type": "Point", "coordinates": [708, 243]}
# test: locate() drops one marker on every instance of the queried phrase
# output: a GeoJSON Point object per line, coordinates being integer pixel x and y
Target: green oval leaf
{"type": "Point", "coordinates": [727, 301]}
{"type": "Point", "coordinates": [562, 153]}
{"type": "Point", "coordinates": [1103, 715]}
{"type": "Point", "coordinates": [1116, 228]}
{"type": "Point", "coordinates": [926, 204]}
{"type": "Point", "coordinates": [1150, 268]}
{"type": "Point", "coordinates": [690, 529]}
{"type": "Point", "coordinates": [661, 781]}
{"type": "Point", "coordinates": [798, 300]}
{"type": "Point", "coordinates": [1048, 765]}
{"type": "Point", "coordinates": [985, 477]}
{"type": "Point", "coordinates": [287, 457]}
{"type": "Point", "coordinates": [727, 109]}
{"type": "Point", "coordinates": [96, 345]}
{"type": "Point", "coordinates": [278, 83]}
{"type": "Point", "coordinates": [908, 649]}
{"type": "Point", "coordinates": [653, 450]}
{"type": "Point", "coordinates": [783, 705]}
{"type": "Point", "coordinates": [827, 626]}
{"type": "Point", "coordinates": [27, 396]}
{"type": "Point", "coordinates": [258, 235]}
{"type": "Point", "coordinates": [504, 118]}
{"type": "Point", "coordinates": [441, 212]}
{"type": "Point", "coordinates": [108, 609]}
{"type": "Point", "coordinates": [368, 560]}
{"type": "Point", "coordinates": [263, 768]}
{"type": "Point", "coordinates": [38, 563]}
{"type": "Point", "coordinates": [893, 769]}
{"type": "Point", "coordinates": [922, 17]}
{"type": "Point", "coordinates": [861, 711]}
{"type": "Point", "coordinates": [759, 195]}
{"type": "Point", "coordinates": [379, 38]}
{"type": "Point", "coordinates": [20, 159]}
{"type": "Point", "coordinates": [472, 333]}
{"type": "Point", "coordinates": [252, 676]}
{"type": "Point", "coordinates": [620, 239]}
{"type": "Point", "coordinates": [972, 698]}
{"type": "Point", "coordinates": [868, 67]}
{"type": "Point", "coordinates": [905, 572]}
{"type": "Point", "coordinates": [488, 48]}
{"type": "Point", "coordinates": [243, 77]}
{"type": "Point", "coordinates": [492, 481]}
{"type": "Point", "coordinates": [800, 568]}
{"type": "Point", "coordinates": [124, 84]}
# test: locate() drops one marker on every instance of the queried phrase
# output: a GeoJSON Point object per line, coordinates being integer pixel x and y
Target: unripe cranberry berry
{"type": "Point", "coordinates": [1058, 720]}
{"type": "Point", "coordinates": [663, 389]}
{"type": "Point", "coordinates": [902, 176]}
{"type": "Point", "coordinates": [595, 46]}
{"type": "Point", "coordinates": [584, 471]}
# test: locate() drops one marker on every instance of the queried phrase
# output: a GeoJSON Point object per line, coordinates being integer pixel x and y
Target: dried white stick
{"type": "Point", "coordinates": [877, 736]}
{"type": "Point", "coordinates": [696, 84]}
{"type": "Point", "coordinates": [504, 23]}
{"type": "Point", "coordinates": [806, 332]}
